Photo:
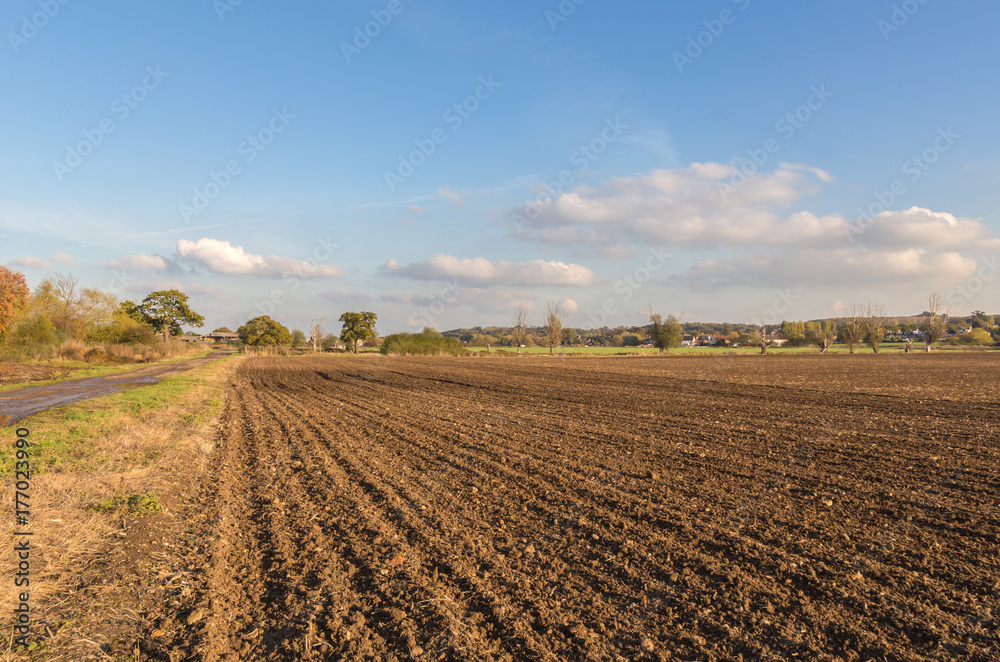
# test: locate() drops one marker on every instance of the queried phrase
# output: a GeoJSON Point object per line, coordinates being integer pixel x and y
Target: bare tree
{"type": "Point", "coordinates": [317, 332]}
{"type": "Point", "coordinates": [520, 326]}
{"type": "Point", "coordinates": [763, 341]}
{"type": "Point", "coordinates": [554, 318]}
{"type": "Point", "coordinates": [937, 320]}
{"type": "Point", "coordinates": [853, 332]}
{"type": "Point", "coordinates": [873, 323]}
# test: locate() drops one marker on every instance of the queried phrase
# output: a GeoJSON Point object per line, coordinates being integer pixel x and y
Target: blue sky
{"type": "Point", "coordinates": [723, 161]}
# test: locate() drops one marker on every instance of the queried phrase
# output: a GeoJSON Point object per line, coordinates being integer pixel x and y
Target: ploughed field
{"type": "Point", "coordinates": [691, 508]}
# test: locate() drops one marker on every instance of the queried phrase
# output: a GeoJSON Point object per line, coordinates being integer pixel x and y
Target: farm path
{"type": "Point", "coordinates": [16, 404]}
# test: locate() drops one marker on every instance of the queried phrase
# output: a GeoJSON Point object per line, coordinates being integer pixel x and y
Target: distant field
{"type": "Point", "coordinates": [611, 351]}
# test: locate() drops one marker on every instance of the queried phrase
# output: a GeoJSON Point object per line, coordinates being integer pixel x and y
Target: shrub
{"type": "Point", "coordinates": [96, 355]}
{"type": "Point", "coordinates": [74, 350]}
{"type": "Point", "coordinates": [428, 343]}
{"type": "Point", "coordinates": [34, 330]}
{"type": "Point", "coordinates": [123, 354]}
{"type": "Point", "coordinates": [978, 337]}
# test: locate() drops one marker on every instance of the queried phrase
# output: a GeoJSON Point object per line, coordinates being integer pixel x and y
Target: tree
{"type": "Point", "coordinates": [520, 326]}
{"type": "Point", "coordinates": [570, 337]}
{"type": "Point", "coordinates": [852, 332]}
{"type": "Point", "coordinates": [330, 341]}
{"type": "Point", "coordinates": [358, 327]}
{"type": "Point", "coordinates": [664, 334]}
{"type": "Point", "coordinates": [873, 323]}
{"type": "Point", "coordinates": [166, 310]}
{"type": "Point", "coordinates": [14, 295]}
{"type": "Point", "coordinates": [936, 325]}
{"type": "Point", "coordinates": [298, 338]}
{"type": "Point", "coordinates": [316, 328]}
{"type": "Point", "coordinates": [553, 324]}
{"type": "Point", "coordinates": [821, 337]}
{"type": "Point", "coordinates": [263, 331]}
{"type": "Point", "coordinates": [974, 337]}
{"type": "Point", "coordinates": [223, 329]}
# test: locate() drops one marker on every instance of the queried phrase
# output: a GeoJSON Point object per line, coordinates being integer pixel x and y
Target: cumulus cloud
{"type": "Point", "coordinates": [64, 258]}
{"type": "Point", "coordinates": [917, 227]}
{"type": "Point", "coordinates": [154, 262]}
{"type": "Point", "coordinates": [684, 206]}
{"type": "Point", "coordinates": [31, 263]}
{"type": "Point", "coordinates": [845, 268]}
{"type": "Point", "coordinates": [221, 257]}
{"type": "Point", "coordinates": [483, 272]}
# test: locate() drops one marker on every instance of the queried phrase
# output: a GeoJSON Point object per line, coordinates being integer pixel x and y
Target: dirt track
{"type": "Point", "coordinates": [16, 404]}
{"type": "Point", "coordinates": [539, 509]}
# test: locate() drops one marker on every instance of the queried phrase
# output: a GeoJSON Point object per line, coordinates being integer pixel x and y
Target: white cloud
{"type": "Point", "coordinates": [483, 272]}
{"type": "Point", "coordinates": [416, 209]}
{"type": "Point", "coordinates": [455, 198]}
{"type": "Point", "coordinates": [221, 257]}
{"type": "Point", "coordinates": [208, 291]}
{"type": "Point", "coordinates": [31, 263]}
{"type": "Point", "coordinates": [685, 206]}
{"type": "Point", "coordinates": [569, 306]}
{"type": "Point", "coordinates": [845, 268]}
{"type": "Point", "coordinates": [154, 262]}
{"type": "Point", "coordinates": [64, 258]}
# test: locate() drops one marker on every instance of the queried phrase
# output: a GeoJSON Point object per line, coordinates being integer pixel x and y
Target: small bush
{"type": "Point", "coordinates": [123, 354]}
{"type": "Point", "coordinates": [96, 355]}
{"type": "Point", "coordinates": [36, 330]}
{"type": "Point", "coordinates": [428, 343]}
{"type": "Point", "coordinates": [73, 350]}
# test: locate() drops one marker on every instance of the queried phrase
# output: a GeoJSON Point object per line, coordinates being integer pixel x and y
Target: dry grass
{"type": "Point", "coordinates": [138, 441]}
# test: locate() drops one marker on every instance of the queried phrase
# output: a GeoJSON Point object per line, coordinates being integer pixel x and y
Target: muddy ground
{"type": "Point", "coordinates": [800, 507]}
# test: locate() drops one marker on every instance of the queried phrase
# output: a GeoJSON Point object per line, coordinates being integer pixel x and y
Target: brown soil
{"type": "Point", "coordinates": [19, 373]}
{"type": "Point", "coordinates": [813, 508]}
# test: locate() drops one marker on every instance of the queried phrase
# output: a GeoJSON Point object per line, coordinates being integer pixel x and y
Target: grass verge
{"type": "Point", "coordinates": [98, 468]}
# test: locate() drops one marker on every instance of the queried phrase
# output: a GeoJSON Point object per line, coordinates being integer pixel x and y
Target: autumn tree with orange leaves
{"type": "Point", "coordinates": [13, 296]}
